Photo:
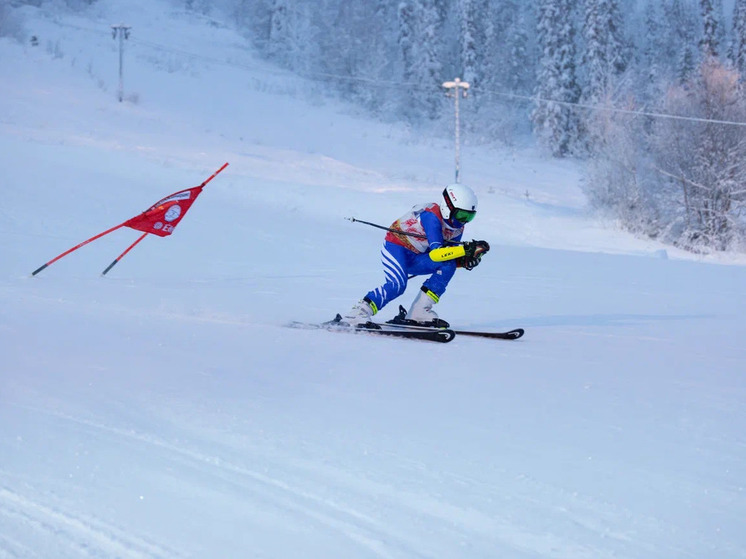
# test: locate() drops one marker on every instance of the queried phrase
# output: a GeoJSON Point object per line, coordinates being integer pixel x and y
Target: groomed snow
{"type": "Point", "coordinates": [165, 411]}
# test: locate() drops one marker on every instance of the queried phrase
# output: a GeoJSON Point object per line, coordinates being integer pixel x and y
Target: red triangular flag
{"type": "Point", "coordinates": [162, 217]}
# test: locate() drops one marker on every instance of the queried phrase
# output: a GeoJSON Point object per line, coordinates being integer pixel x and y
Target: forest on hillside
{"type": "Point", "coordinates": [648, 92]}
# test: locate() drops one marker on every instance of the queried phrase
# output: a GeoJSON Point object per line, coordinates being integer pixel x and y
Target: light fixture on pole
{"type": "Point", "coordinates": [123, 32]}
{"type": "Point", "coordinates": [457, 89]}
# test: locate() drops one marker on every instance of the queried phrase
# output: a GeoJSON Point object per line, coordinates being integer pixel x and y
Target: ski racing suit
{"type": "Point", "coordinates": [403, 255]}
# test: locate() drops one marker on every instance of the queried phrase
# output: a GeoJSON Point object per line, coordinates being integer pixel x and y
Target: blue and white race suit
{"type": "Point", "coordinates": [403, 256]}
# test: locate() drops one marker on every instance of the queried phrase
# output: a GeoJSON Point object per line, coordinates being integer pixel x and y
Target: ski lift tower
{"type": "Point", "coordinates": [457, 89]}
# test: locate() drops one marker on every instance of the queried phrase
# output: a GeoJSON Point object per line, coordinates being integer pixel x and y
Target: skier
{"type": "Point", "coordinates": [426, 240]}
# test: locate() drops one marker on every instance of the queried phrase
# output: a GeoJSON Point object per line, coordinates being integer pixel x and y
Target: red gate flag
{"type": "Point", "coordinates": [160, 219]}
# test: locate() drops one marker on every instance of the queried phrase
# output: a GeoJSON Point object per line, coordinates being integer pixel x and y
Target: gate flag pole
{"type": "Point", "coordinates": [160, 219]}
{"type": "Point", "coordinates": [118, 258]}
{"type": "Point", "coordinates": [56, 258]}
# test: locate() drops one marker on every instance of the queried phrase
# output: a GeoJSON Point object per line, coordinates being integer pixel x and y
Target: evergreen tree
{"type": "Point", "coordinates": [280, 42]}
{"type": "Point", "coordinates": [709, 44]}
{"type": "Point", "coordinates": [418, 38]}
{"type": "Point", "coordinates": [406, 37]}
{"type": "Point", "coordinates": [521, 66]}
{"type": "Point", "coordinates": [738, 50]}
{"type": "Point", "coordinates": [470, 41]}
{"type": "Point", "coordinates": [430, 66]}
{"type": "Point", "coordinates": [687, 65]}
{"type": "Point", "coordinates": [679, 55]}
{"type": "Point", "coordinates": [509, 53]}
{"type": "Point", "coordinates": [651, 51]}
{"type": "Point", "coordinates": [554, 120]}
{"type": "Point", "coordinates": [605, 56]}
{"type": "Point", "coordinates": [341, 53]}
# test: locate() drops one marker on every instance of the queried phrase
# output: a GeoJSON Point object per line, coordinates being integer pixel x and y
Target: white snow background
{"type": "Point", "coordinates": [165, 411]}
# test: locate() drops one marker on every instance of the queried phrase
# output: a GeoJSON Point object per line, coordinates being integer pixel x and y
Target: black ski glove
{"type": "Point", "coordinates": [474, 251]}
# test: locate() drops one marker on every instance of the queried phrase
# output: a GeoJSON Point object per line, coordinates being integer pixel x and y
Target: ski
{"type": "Point", "coordinates": [509, 335]}
{"type": "Point", "coordinates": [401, 321]}
{"type": "Point", "coordinates": [441, 335]}
{"type": "Point", "coordinates": [402, 327]}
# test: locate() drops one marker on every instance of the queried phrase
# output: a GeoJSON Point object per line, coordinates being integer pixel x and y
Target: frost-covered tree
{"type": "Point", "coordinates": [341, 52]}
{"type": "Point", "coordinates": [418, 39]}
{"type": "Point", "coordinates": [280, 31]}
{"type": "Point", "coordinates": [521, 64]}
{"type": "Point", "coordinates": [709, 44]}
{"type": "Point", "coordinates": [652, 73]}
{"type": "Point", "coordinates": [470, 41]}
{"type": "Point", "coordinates": [683, 181]}
{"type": "Point", "coordinates": [430, 68]}
{"type": "Point", "coordinates": [705, 161]}
{"type": "Point", "coordinates": [407, 36]}
{"type": "Point", "coordinates": [555, 122]}
{"type": "Point", "coordinates": [680, 26]}
{"type": "Point", "coordinates": [616, 170]}
{"type": "Point", "coordinates": [509, 55]}
{"type": "Point", "coordinates": [605, 53]}
{"type": "Point", "coordinates": [370, 37]}
{"type": "Point", "coordinates": [738, 49]}
{"type": "Point", "coordinates": [291, 26]}
{"type": "Point", "coordinates": [252, 17]}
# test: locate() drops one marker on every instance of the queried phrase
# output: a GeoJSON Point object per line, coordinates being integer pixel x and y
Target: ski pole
{"type": "Point", "coordinates": [397, 231]}
{"type": "Point", "coordinates": [416, 235]}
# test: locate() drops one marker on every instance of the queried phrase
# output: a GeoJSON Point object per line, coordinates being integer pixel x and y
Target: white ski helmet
{"type": "Point", "coordinates": [459, 203]}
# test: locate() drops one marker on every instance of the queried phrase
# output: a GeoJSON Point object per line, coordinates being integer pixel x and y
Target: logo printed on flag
{"type": "Point", "coordinates": [173, 213]}
{"type": "Point", "coordinates": [184, 195]}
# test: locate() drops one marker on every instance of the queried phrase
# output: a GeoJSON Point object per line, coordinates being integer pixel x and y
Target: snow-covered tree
{"type": "Point", "coordinates": [680, 26]}
{"type": "Point", "coordinates": [470, 41]}
{"type": "Point", "coordinates": [615, 181]}
{"type": "Point", "coordinates": [605, 53]}
{"type": "Point", "coordinates": [706, 160]}
{"type": "Point", "coordinates": [430, 67]}
{"type": "Point", "coordinates": [509, 55]}
{"type": "Point", "coordinates": [738, 49]}
{"type": "Point", "coordinates": [407, 36]}
{"type": "Point", "coordinates": [555, 122]}
{"type": "Point", "coordinates": [710, 42]}
{"type": "Point", "coordinates": [518, 45]}
{"type": "Point", "coordinates": [280, 31]}
{"type": "Point", "coordinates": [652, 72]}
{"type": "Point", "coordinates": [418, 39]}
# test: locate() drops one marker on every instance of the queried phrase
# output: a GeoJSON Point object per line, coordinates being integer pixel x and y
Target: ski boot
{"type": "Point", "coordinates": [421, 313]}
{"type": "Point", "coordinates": [360, 314]}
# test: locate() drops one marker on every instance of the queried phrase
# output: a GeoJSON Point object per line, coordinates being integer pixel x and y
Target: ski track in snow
{"type": "Point", "coordinates": [365, 531]}
{"type": "Point", "coordinates": [71, 533]}
{"type": "Point", "coordinates": [95, 538]}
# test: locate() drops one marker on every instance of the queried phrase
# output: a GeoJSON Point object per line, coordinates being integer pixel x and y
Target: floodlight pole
{"type": "Point", "coordinates": [456, 89]}
{"type": "Point", "coordinates": [123, 32]}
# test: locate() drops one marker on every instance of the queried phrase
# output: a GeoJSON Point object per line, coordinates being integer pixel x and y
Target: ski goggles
{"type": "Point", "coordinates": [463, 216]}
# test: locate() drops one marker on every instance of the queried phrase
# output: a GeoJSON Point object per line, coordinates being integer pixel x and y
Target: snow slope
{"type": "Point", "coordinates": [164, 410]}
